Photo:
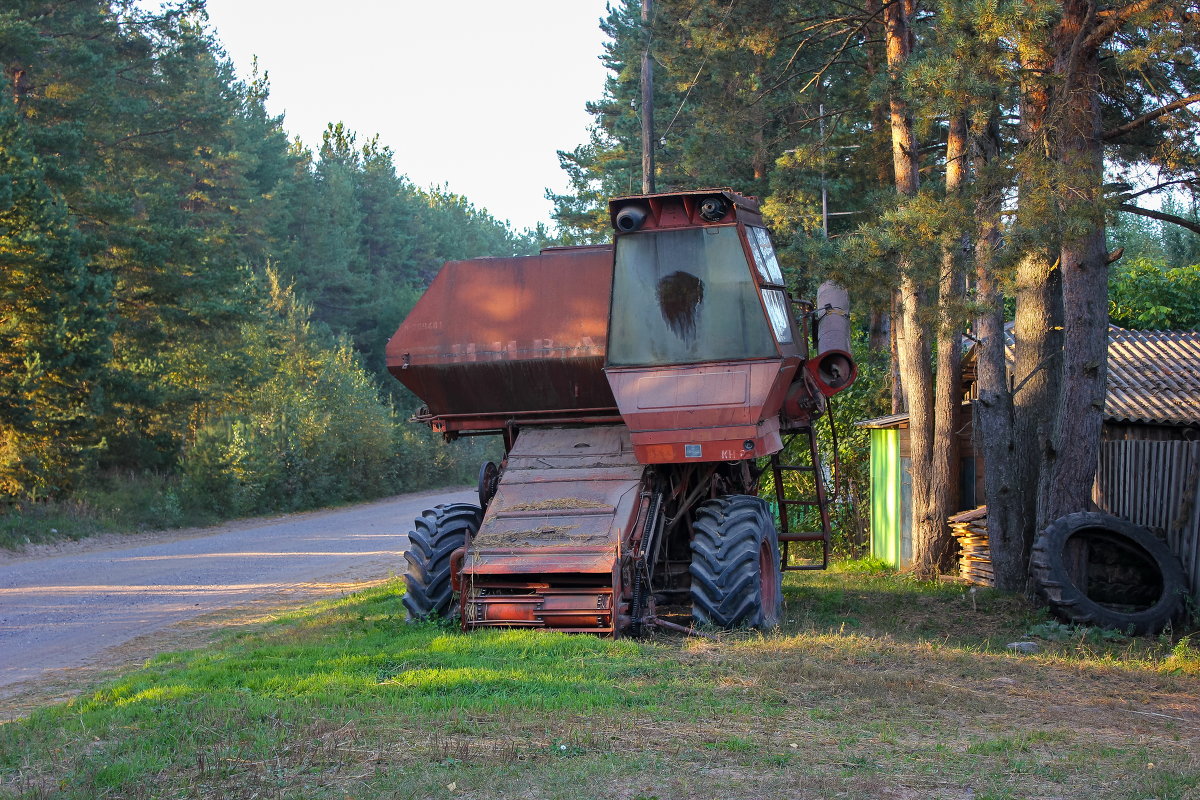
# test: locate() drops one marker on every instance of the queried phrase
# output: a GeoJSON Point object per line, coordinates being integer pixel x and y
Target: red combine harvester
{"type": "Point", "coordinates": [642, 390]}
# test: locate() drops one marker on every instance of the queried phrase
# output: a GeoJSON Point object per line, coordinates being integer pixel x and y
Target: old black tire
{"type": "Point", "coordinates": [436, 534]}
{"type": "Point", "coordinates": [736, 580]}
{"type": "Point", "coordinates": [1143, 564]}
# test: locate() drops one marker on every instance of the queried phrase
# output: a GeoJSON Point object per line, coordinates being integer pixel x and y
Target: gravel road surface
{"type": "Point", "coordinates": [63, 611]}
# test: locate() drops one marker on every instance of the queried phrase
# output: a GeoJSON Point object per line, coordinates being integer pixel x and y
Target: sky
{"type": "Point", "coordinates": [475, 96]}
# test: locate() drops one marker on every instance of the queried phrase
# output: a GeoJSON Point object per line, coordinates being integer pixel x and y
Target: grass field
{"type": "Point", "coordinates": [875, 686]}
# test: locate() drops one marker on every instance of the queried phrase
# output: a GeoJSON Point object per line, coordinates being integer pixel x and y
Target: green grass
{"type": "Point", "coordinates": [875, 686]}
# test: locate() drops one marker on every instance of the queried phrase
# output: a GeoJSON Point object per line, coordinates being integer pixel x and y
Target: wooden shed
{"type": "Point", "coordinates": [891, 483]}
{"type": "Point", "coordinates": [1149, 469]}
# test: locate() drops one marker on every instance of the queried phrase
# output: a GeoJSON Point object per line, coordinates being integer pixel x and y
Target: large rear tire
{"type": "Point", "coordinates": [1130, 579]}
{"type": "Point", "coordinates": [736, 580]}
{"type": "Point", "coordinates": [436, 534]}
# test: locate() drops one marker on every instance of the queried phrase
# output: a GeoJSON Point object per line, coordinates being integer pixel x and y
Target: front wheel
{"type": "Point", "coordinates": [436, 534]}
{"type": "Point", "coordinates": [736, 579]}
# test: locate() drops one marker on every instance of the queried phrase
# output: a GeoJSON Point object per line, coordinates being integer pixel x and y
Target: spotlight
{"type": "Point", "coordinates": [630, 218]}
{"type": "Point", "coordinates": [712, 209]}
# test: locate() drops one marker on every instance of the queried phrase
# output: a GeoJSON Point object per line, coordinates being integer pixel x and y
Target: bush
{"type": "Point", "coordinates": [311, 429]}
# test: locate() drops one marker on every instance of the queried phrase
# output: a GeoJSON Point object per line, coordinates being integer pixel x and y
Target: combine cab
{"type": "Point", "coordinates": [642, 391]}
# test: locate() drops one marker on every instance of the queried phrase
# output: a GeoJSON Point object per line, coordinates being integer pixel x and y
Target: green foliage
{"type": "Point", "coordinates": [1146, 296]}
{"type": "Point", "coordinates": [1181, 247]}
{"type": "Point", "coordinates": [1164, 243]}
{"type": "Point", "coordinates": [146, 196]}
{"type": "Point", "coordinates": [310, 426]}
{"type": "Point", "coordinates": [53, 328]}
{"type": "Point", "coordinates": [105, 503]}
{"type": "Point", "coordinates": [1185, 657]}
{"type": "Point", "coordinates": [307, 428]}
{"type": "Point", "coordinates": [864, 566]}
{"type": "Point", "coordinates": [1055, 631]}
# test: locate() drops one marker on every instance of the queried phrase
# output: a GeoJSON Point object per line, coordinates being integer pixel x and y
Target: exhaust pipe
{"type": "Point", "coordinates": [833, 368]}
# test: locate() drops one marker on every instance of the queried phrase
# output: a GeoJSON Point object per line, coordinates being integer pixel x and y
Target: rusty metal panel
{"type": "Point", "coordinates": [703, 412]}
{"type": "Point", "coordinates": [590, 611]}
{"type": "Point", "coordinates": [566, 500]}
{"type": "Point", "coordinates": [505, 335]}
{"type": "Point", "coordinates": [598, 449]}
{"type": "Point", "coordinates": [679, 209]}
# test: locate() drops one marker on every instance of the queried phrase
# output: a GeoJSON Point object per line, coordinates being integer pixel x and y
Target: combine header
{"type": "Point", "coordinates": [642, 391]}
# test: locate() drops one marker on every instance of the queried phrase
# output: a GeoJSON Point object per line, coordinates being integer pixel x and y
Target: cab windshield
{"type": "Point", "coordinates": [685, 296]}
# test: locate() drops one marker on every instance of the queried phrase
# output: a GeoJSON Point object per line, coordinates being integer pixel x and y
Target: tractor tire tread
{"type": "Point", "coordinates": [727, 537]}
{"type": "Point", "coordinates": [436, 534]}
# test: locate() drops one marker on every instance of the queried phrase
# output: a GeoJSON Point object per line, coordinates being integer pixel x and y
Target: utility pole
{"type": "Point", "coordinates": [824, 192]}
{"type": "Point", "coordinates": [647, 103]}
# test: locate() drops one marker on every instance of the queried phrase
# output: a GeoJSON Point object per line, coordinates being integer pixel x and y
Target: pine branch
{"type": "Point", "coordinates": [1125, 198]}
{"type": "Point", "coordinates": [823, 26]}
{"type": "Point", "coordinates": [1161, 216]}
{"type": "Point", "coordinates": [829, 63]}
{"type": "Point", "coordinates": [1112, 19]}
{"type": "Point", "coordinates": [845, 3]}
{"type": "Point", "coordinates": [182, 124]}
{"type": "Point", "coordinates": [1121, 130]}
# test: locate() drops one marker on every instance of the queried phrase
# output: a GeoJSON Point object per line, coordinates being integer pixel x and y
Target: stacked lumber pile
{"type": "Point", "coordinates": [975, 561]}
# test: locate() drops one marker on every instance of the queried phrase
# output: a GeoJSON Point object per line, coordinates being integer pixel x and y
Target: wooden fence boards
{"type": "Point", "coordinates": [1155, 484]}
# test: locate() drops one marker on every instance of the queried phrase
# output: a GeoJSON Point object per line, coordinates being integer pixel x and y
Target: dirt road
{"type": "Point", "coordinates": [62, 612]}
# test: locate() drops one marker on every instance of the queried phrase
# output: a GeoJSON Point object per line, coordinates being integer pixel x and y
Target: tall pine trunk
{"type": "Point", "coordinates": [1038, 324]}
{"type": "Point", "coordinates": [912, 338]}
{"type": "Point", "coordinates": [993, 410]}
{"type": "Point", "coordinates": [1070, 462]}
{"type": "Point", "coordinates": [943, 480]}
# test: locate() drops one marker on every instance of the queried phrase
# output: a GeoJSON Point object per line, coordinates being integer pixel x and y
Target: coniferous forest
{"type": "Point", "coordinates": [190, 303]}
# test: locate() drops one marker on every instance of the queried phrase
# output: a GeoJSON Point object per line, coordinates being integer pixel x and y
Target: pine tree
{"type": "Point", "coordinates": [54, 328]}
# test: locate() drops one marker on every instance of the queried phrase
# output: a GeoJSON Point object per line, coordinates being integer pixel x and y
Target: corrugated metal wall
{"type": "Point", "coordinates": [1155, 484]}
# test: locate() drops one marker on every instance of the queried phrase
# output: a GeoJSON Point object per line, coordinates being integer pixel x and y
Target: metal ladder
{"type": "Point", "coordinates": [819, 500]}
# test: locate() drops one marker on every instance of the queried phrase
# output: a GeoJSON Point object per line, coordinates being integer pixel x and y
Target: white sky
{"type": "Point", "coordinates": [475, 95]}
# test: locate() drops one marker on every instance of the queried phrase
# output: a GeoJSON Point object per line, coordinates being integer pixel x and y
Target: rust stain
{"type": "Point", "coordinates": [680, 295]}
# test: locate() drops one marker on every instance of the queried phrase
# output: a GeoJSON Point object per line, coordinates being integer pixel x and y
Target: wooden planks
{"type": "Point", "coordinates": [975, 560]}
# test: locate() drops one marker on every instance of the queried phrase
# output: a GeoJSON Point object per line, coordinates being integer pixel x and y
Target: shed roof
{"type": "Point", "coordinates": [1153, 376]}
{"type": "Point", "coordinates": [890, 421]}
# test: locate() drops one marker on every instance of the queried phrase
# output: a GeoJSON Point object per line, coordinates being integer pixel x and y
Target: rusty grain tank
{"type": "Point", "coordinates": [643, 391]}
